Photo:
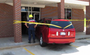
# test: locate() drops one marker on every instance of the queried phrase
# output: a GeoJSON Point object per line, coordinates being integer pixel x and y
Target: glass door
{"type": "Point", "coordinates": [35, 11]}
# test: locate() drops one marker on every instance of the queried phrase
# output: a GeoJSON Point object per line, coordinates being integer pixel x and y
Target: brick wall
{"type": "Point", "coordinates": [6, 20]}
{"type": "Point", "coordinates": [88, 18]}
{"type": "Point", "coordinates": [49, 12]}
{"type": "Point", "coordinates": [78, 14]}
{"type": "Point", "coordinates": [17, 16]}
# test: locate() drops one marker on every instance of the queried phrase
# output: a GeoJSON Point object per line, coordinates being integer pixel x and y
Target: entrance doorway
{"type": "Point", "coordinates": [25, 12]}
{"type": "Point", "coordinates": [35, 11]}
{"type": "Point", "coordinates": [36, 16]}
{"type": "Point", "coordinates": [24, 18]}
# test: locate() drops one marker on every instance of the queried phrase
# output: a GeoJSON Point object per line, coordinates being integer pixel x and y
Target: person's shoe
{"type": "Point", "coordinates": [29, 42]}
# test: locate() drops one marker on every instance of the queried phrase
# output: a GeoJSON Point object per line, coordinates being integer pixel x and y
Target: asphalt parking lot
{"type": "Point", "coordinates": [81, 47]}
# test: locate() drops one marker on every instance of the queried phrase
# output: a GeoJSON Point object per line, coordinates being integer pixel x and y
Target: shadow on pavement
{"type": "Point", "coordinates": [62, 48]}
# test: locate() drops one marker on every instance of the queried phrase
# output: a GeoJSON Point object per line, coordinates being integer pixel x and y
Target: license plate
{"type": "Point", "coordinates": [62, 33]}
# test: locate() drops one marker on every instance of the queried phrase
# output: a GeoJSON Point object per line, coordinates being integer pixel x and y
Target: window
{"type": "Point", "coordinates": [48, 21]}
{"type": "Point", "coordinates": [62, 24]}
{"type": "Point", "coordinates": [24, 8]}
{"type": "Point", "coordinates": [30, 9]}
{"type": "Point", "coordinates": [35, 9]}
{"type": "Point", "coordinates": [41, 21]}
{"type": "Point", "coordinates": [68, 13]}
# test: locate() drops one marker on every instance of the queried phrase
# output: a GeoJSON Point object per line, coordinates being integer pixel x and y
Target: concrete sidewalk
{"type": "Point", "coordinates": [81, 35]}
{"type": "Point", "coordinates": [9, 42]}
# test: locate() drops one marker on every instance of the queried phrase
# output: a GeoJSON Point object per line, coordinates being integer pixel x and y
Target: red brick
{"type": "Point", "coordinates": [78, 14]}
{"type": "Point", "coordinates": [6, 20]}
{"type": "Point", "coordinates": [88, 17]}
{"type": "Point", "coordinates": [61, 9]}
{"type": "Point", "coordinates": [17, 16]}
{"type": "Point", "coordinates": [51, 12]}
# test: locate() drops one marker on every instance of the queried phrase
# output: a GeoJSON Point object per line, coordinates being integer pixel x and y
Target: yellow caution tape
{"type": "Point", "coordinates": [67, 26]}
{"type": "Point", "coordinates": [16, 21]}
{"type": "Point", "coordinates": [76, 20]}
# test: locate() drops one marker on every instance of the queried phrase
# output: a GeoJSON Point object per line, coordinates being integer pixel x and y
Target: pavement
{"type": "Point", "coordinates": [80, 47]}
{"type": "Point", "coordinates": [7, 43]}
{"type": "Point", "coordinates": [81, 35]}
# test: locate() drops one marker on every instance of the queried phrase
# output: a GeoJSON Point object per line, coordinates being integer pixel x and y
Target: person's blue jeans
{"type": "Point", "coordinates": [31, 32]}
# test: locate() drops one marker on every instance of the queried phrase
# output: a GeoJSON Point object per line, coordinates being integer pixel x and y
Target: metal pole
{"type": "Point", "coordinates": [34, 15]}
{"type": "Point", "coordinates": [28, 14]}
{"type": "Point", "coordinates": [31, 10]}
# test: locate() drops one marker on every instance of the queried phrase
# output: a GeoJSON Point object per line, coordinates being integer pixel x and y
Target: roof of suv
{"type": "Point", "coordinates": [59, 20]}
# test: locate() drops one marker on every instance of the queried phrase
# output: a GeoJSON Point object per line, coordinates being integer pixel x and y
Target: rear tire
{"type": "Point", "coordinates": [42, 44]}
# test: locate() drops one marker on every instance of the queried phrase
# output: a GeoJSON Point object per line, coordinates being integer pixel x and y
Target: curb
{"type": "Point", "coordinates": [82, 38]}
{"type": "Point", "coordinates": [3, 48]}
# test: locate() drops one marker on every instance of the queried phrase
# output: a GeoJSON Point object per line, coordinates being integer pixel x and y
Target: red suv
{"type": "Point", "coordinates": [51, 34]}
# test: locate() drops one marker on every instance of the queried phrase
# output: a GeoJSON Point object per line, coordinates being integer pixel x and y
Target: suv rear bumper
{"type": "Point", "coordinates": [61, 41]}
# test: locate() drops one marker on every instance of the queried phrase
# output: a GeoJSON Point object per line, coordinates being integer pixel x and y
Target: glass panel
{"type": "Point", "coordinates": [68, 13]}
{"type": "Point", "coordinates": [37, 16]}
{"type": "Point", "coordinates": [35, 9]}
{"type": "Point", "coordinates": [65, 13]}
{"type": "Point", "coordinates": [24, 8]}
{"type": "Point", "coordinates": [62, 24]}
{"type": "Point", "coordinates": [29, 8]}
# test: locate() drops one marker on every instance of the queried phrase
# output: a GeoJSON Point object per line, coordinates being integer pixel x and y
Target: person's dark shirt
{"type": "Point", "coordinates": [31, 26]}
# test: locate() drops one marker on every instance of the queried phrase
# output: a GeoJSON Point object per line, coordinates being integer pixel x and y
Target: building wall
{"type": "Point", "coordinates": [78, 14]}
{"type": "Point", "coordinates": [52, 12]}
{"type": "Point", "coordinates": [84, 0]}
{"type": "Point", "coordinates": [88, 18]}
{"type": "Point", "coordinates": [6, 20]}
{"type": "Point", "coordinates": [49, 12]}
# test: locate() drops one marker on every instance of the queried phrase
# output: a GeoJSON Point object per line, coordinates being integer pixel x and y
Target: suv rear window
{"type": "Point", "coordinates": [62, 24]}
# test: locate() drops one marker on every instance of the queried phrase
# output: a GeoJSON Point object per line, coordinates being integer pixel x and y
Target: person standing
{"type": "Point", "coordinates": [31, 28]}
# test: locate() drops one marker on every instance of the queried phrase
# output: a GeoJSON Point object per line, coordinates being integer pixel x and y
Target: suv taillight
{"type": "Point", "coordinates": [56, 33]}
{"type": "Point", "coordinates": [68, 33]}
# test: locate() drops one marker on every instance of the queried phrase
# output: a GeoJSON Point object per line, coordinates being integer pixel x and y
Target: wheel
{"type": "Point", "coordinates": [42, 44]}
